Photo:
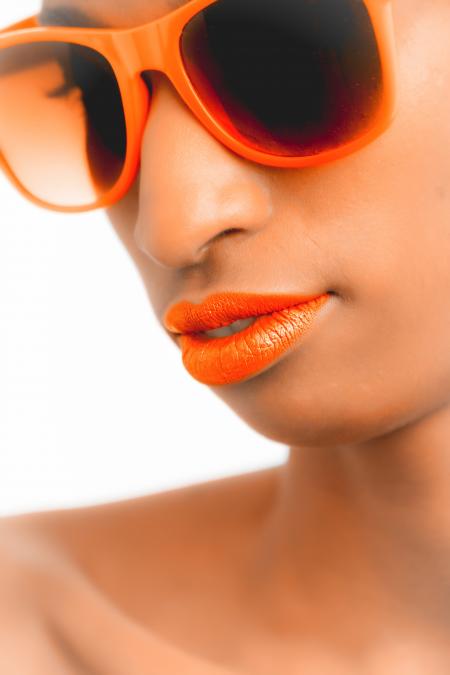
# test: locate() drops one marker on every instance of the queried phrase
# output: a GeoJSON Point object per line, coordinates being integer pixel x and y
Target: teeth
{"type": "Point", "coordinates": [233, 328]}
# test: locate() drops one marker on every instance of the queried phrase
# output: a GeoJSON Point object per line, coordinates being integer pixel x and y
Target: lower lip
{"type": "Point", "coordinates": [234, 358]}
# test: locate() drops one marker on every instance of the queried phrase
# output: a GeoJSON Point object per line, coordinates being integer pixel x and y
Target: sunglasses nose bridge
{"type": "Point", "coordinates": [145, 46]}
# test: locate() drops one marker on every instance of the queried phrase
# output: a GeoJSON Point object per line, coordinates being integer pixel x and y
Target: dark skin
{"type": "Point", "coordinates": [337, 562]}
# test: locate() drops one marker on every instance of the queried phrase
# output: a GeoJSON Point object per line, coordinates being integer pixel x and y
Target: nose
{"type": "Point", "coordinates": [193, 190]}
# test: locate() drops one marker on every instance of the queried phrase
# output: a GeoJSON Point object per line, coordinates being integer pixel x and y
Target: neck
{"type": "Point", "coordinates": [363, 530]}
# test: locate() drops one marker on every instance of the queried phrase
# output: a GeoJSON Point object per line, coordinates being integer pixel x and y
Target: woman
{"type": "Point", "coordinates": [293, 167]}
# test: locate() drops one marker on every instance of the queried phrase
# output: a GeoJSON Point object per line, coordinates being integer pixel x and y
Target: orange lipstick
{"type": "Point", "coordinates": [279, 322]}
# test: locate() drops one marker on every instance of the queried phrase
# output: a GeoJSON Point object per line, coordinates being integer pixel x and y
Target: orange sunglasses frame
{"type": "Point", "coordinates": [156, 46]}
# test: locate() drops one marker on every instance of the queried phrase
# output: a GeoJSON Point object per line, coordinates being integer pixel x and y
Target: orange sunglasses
{"type": "Point", "coordinates": [289, 84]}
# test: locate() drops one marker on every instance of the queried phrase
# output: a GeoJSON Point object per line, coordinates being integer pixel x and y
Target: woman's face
{"type": "Point", "coordinates": [374, 227]}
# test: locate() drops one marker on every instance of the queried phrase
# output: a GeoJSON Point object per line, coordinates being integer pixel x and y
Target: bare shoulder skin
{"type": "Point", "coordinates": [161, 569]}
{"type": "Point", "coordinates": [338, 562]}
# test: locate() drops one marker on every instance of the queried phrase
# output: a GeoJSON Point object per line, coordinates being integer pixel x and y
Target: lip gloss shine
{"type": "Point", "coordinates": [226, 360]}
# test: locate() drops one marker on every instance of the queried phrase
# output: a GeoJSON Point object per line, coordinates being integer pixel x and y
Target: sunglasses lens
{"type": "Point", "coordinates": [62, 125]}
{"type": "Point", "coordinates": [290, 78]}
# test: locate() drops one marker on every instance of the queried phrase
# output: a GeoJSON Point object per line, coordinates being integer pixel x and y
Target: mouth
{"type": "Point", "coordinates": [230, 337]}
{"type": "Point", "coordinates": [227, 310]}
{"type": "Point", "coordinates": [230, 329]}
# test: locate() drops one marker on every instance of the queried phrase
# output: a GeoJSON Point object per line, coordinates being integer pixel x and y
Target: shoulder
{"type": "Point", "coordinates": [26, 564]}
{"type": "Point", "coordinates": [83, 535]}
{"type": "Point", "coordinates": [33, 580]}
{"type": "Point", "coordinates": [62, 569]}
{"type": "Point", "coordinates": [52, 620]}
{"type": "Point", "coordinates": [158, 542]}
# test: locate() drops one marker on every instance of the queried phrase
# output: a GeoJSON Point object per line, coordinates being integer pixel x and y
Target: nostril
{"type": "Point", "coordinates": [220, 235]}
{"type": "Point", "coordinates": [231, 230]}
{"type": "Point", "coordinates": [217, 237]}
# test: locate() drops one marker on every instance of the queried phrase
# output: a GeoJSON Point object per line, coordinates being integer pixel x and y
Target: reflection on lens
{"type": "Point", "coordinates": [290, 77]}
{"type": "Point", "coordinates": [62, 125]}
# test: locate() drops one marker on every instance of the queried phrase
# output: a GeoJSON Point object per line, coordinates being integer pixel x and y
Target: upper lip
{"type": "Point", "coordinates": [221, 309]}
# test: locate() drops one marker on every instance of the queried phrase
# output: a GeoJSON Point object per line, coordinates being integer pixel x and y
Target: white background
{"type": "Point", "coordinates": [95, 404]}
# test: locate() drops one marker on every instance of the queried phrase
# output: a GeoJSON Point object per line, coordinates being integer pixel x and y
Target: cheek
{"type": "Point", "coordinates": [402, 255]}
{"type": "Point", "coordinates": [393, 201]}
{"type": "Point", "coordinates": [381, 219]}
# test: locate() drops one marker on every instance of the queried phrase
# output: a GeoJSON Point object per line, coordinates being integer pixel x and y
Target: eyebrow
{"type": "Point", "coordinates": [70, 16]}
